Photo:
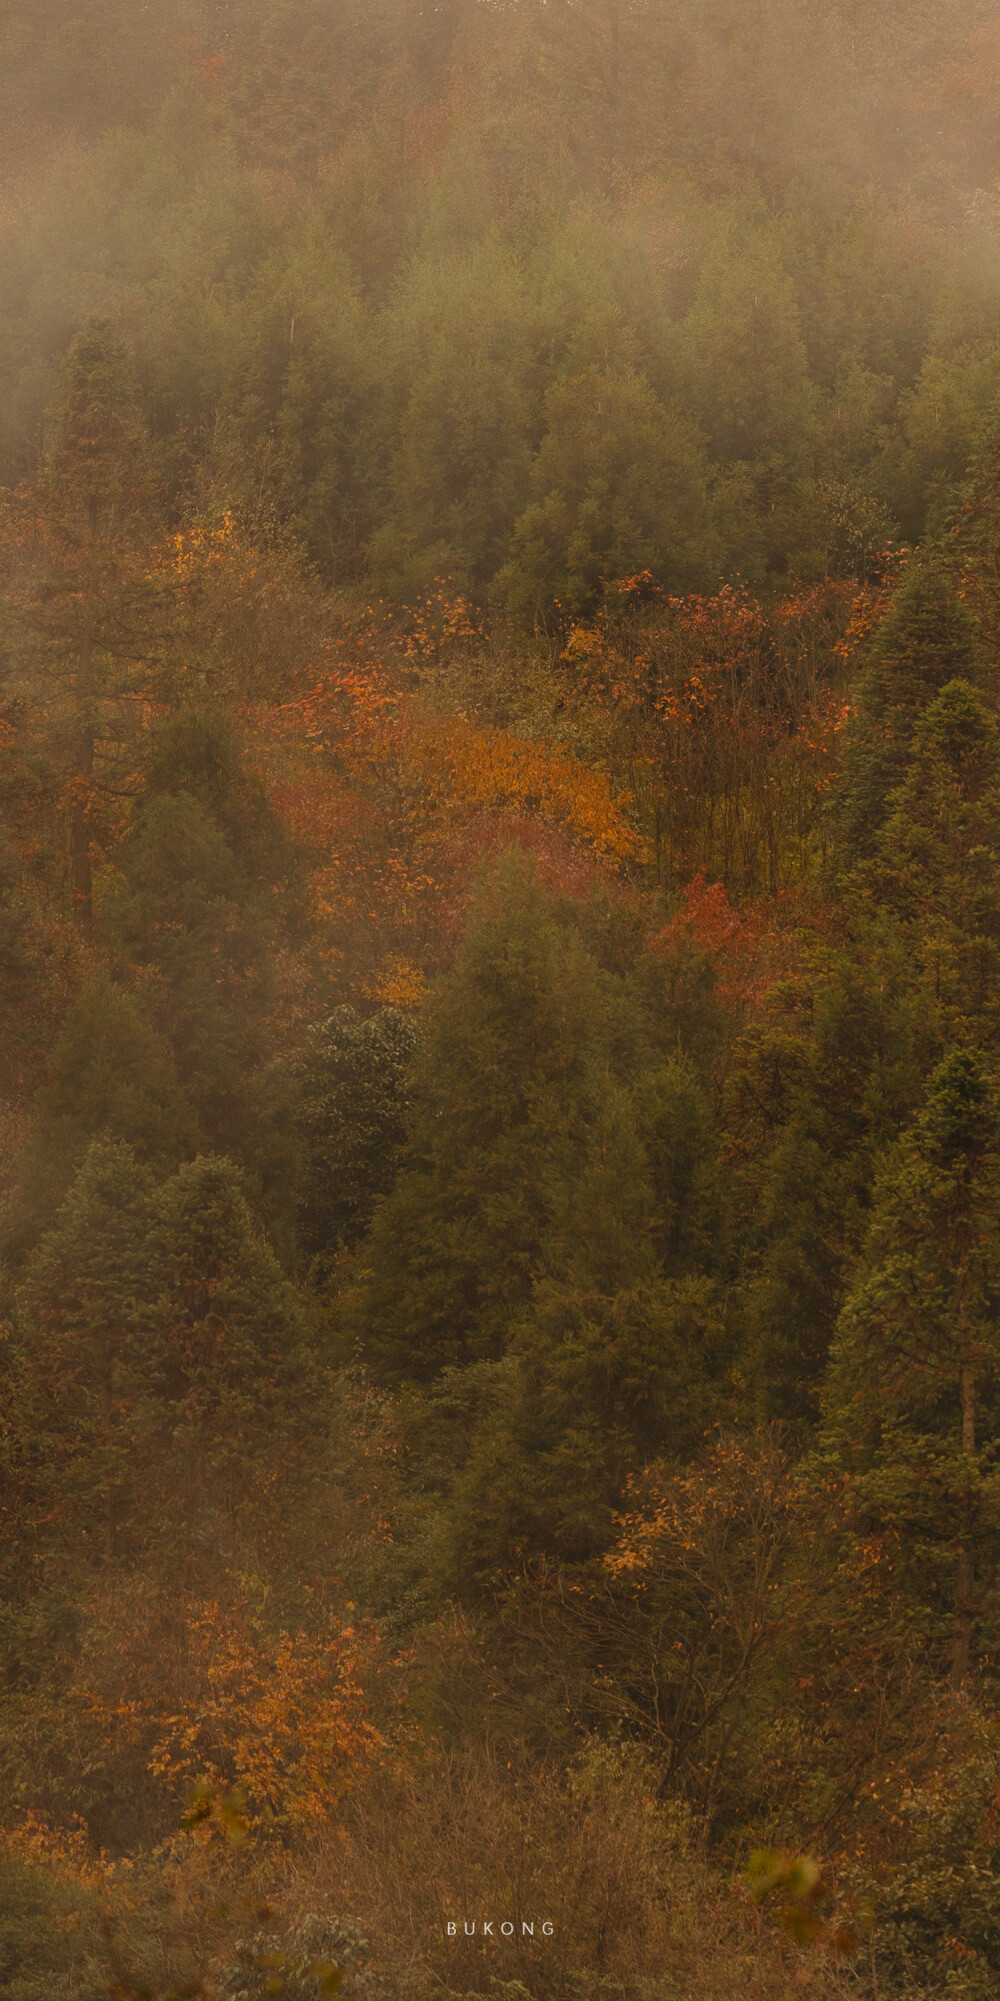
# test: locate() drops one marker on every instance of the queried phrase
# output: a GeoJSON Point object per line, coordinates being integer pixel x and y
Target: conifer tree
{"type": "Point", "coordinates": [927, 640]}
{"type": "Point", "coordinates": [912, 1400]}
{"type": "Point", "coordinates": [856, 1082]}
{"type": "Point", "coordinates": [87, 613]}
{"type": "Point", "coordinates": [163, 1359]}
{"type": "Point", "coordinates": [88, 1377]}
{"type": "Point", "coordinates": [619, 1356]}
{"type": "Point", "coordinates": [353, 1098]}
{"type": "Point", "coordinates": [621, 487]}
{"type": "Point", "coordinates": [507, 1088]}
{"type": "Point", "coordinates": [938, 857]}
{"type": "Point", "coordinates": [208, 895]}
{"type": "Point", "coordinates": [227, 1333]}
{"type": "Point", "coordinates": [34, 964]}
{"type": "Point", "coordinates": [110, 1076]}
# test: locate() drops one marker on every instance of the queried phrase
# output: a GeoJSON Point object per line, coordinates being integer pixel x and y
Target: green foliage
{"type": "Point", "coordinates": [159, 1351]}
{"type": "Point", "coordinates": [97, 468]}
{"type": "Point", "coordinates": [928, 639]}
{"type": "Point", "coordinates": [550, 1239]}
{"type": "Point", "coordinates": [229, 1339]}
{"type": "Point", "coordinates": [621, 488]}
{"type": "Point", "coordinates": [937, 855]}
{"type": "Point", "coordinates": [109, 1076]}
{"type": "Point", "coordinates": [911, 1401]}
{"type": "Point", "coordinates": [49, 1935]}
{"type": "Point", "coordinates": [354, 1095]}
{"type": "Point", "coordinates": [832, 1101]}
{"type": "Point", "coordinates": [501, 306]}
{"type": "Point", "coordinates": [506, 1096]}
{"type": "Point", "coordinates": [208, 898]}
{"type": "Point", "coordinates": [938, 1911]}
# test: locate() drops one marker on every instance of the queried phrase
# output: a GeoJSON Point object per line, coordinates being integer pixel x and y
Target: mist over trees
{"type": "Point", "coordinates": [499, 999]}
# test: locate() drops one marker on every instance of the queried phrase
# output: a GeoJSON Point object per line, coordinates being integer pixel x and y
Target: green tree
{"type": "Point", "coordinates": [87, 614]}
{"type": "Point", "coordinates": [912, 1399]}
{"type": "Point", "coordinates": [938, 856]}
{"type": "Point", "coordinates": [927, 640]}
{"type": "Point", "coordinates": [88, 1378]}
{"type": "Point", "coordinates": [230, 1343]}
{"type": "Point", "coordinates": [621, 487]}
{"type": "Point", "coordinates": [852, 1081]}
{"type": "Point", "coordinates": [507, 1088]}
{"type": "Point", "coordinates": [353, 1077]}
{"type": "Point", "coordinates": [208, 898]}
{"type": "Point", "coordinates": [110, 1076]}
{"type": "Point", "coordinates": [619, 1355]}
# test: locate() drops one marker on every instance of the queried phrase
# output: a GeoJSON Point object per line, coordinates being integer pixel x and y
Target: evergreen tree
{"type": "Point", "coordinates": [620, 1354]}
{"type": "Point", "coordinates": [912, 1400]}
{"type": "Point", "coordinates": [938, 857]}
{"type": "Point", "coordinates": [855, 1082]}
{"type": "Point", "coordinates": [229, 1339]}
{"type": "Point", "coordinates": [507, 1089]}
{"type": "Point", "coordinates": [163, 1358]}
{"type": "Point", "coordinates": [621, 487]}
{"type": "Point", "coordinates": [86, 610]}
{"type": "Point", "coordinates": [208, 897]}
{"type": "Point", "coordinates": [110, 1076]}
{"type": "Point", "coordinates": [927, 640]}
{"type": "Point", "coordinates": [353, 1099]}
{"type": "Point", "coordinates": [87, 1378]}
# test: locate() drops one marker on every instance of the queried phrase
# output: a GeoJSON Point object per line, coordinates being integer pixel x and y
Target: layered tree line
{"type": "Point", "coordinates": [500, 998]}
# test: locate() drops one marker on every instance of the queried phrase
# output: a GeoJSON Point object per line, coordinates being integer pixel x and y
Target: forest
{"type": "Point", "coordinates": [499, 1000]}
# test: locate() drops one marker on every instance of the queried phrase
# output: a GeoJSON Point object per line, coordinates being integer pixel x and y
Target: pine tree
{"type": "Point", "coordinates": [208, 896]}
{"type": "Point", "coordinates": [856, 1081]}
{"type": "Point", "coordinates": [507, 1088]}
{"type": "Point", "coordinates": [229, 1339]}
{"type": "Point", "coordinates": [938, 856]}
{"type": "Point", "coordinates": [110, 1076]}
{"type": "Point", "coordinates": [617, 1358]}
{"type": "Point", "coordinates": [35, 966]}
{"type": "Point", "coordinates": [928, 639]}
{"type": "Point", "coordinates": [912, 1400]}
{"type": "Point", "coordinates": [621, 487]}
{"type": "Point", "coordinates": [353, 1097]}
{"type": "Point", "coordinates": [87, 612]}
{"type": "Point", "coordinates": [163, 1360]}
{"type": "Point", "coordinates": [88, 1377]}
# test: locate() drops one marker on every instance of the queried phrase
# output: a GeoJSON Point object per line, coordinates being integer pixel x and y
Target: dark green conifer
{"type": "Point", "coordinates": [207, 899]}
{"type": "Point", "coordinates": [938, 857]}
{"type": "Point", "coordinates": [928, 639]}
{"type": "Point", "coordinates": [227, 1333]}
{"type": "Point", "coordinates": [110, 1076]}
{"type": "Point", "coordinates": [507, 1091]}
{"type": "Point", "coordinates": [353, 1079]}
{"type": "Point", "coordinates": [912, 1400]}
{"type": "Point", "coordinates": [856, 1081]}
{"type": "Point", "coordinates": [88, 1377]}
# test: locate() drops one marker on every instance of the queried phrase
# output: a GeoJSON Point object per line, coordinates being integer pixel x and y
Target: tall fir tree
{"type": "Point", "coordinates": [912, 1399]}
{"type": "Point", "coordinates": [507, 1090]}
{"type": "Point", "coordinates": [854, 1081]}
{"type": "Point", "coordinates": [927, 640]}
{"type": "Point", "coordinates": [353, 1096]}
{"type": "Point", "coordinates": [208, 896]}
{"type": "Point", "coordinates": [110, 1076]}
{"type": "Point", "coordinates": [87, 610]}
{"type": "Point", "coordinates": [938, 857]}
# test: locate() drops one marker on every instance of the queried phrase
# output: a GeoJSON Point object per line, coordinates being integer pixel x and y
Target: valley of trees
{"type": "Point", "coordinates": [500, 1000]}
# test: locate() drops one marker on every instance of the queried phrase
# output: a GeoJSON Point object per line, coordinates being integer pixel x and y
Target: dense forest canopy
{"type": "Point", "coordinates": [500, 999]}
